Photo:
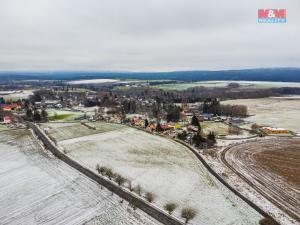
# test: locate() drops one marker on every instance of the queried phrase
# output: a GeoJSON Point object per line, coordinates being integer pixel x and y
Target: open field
{"type": "Point", "coordinates": [218, 128]}
{"type": "Point", "coordinates": [163, 167]}
{"type": "Point", "coordinates": [276, 112]}
{"type": "Point", "coordinates": [272, 166]}
{"type": "Point", "coordinates": [15, 95]}
{"type": "Point", "coordinates": [93, 81]}
{"type": "Point", "coordinates": [66, 115]}
{"type": "Point", "coordinates": [222, 84]}
{"type": "Point", "coordinates": [63, 131]}
{"type": "Point", "coordinates": [37, 188]}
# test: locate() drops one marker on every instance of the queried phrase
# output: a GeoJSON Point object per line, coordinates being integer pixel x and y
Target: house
{"type": "Point", "coordinates": [165, 127]}
{"type": "Point", "coordinates": [152, 126]}
{"type": "Point", "coordinates": [192, 128]}
{"type": "Point", "coordinates": [207, 116]}
{"type": "Point", "coordinates": [7, 119]}
{"type": "Point", "coordinates": [10, 107]}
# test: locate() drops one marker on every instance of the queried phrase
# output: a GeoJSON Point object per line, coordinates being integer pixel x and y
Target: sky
{"type": "Point", "coordinates": [146, 35]}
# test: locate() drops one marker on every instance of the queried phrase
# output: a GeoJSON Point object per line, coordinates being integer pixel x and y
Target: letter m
{"type": "Point", "coordinates": [263, 13]}
{"type": "Point", "coordinates": [280, 13]}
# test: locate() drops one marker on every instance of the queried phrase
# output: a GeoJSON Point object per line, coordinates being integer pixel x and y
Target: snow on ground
{"type": "Point", "coordinates": [62, 131]}
{"type": "Point", "coordinates": [14, 95]}
{"type": "Point", "coordinates": [243, 187]}
{"type": "Point", "coordinates": [276, 112]}
{"type": "Point", "coordinates": [221, 84]}
{"type": "Point", "coordinates": [93, 81]}
{"type": "Point", "coordinates": [165, 168]}
{"type": "Point", "coordinates": [37, 188]}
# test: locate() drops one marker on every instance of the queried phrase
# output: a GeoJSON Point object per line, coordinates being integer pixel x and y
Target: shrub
{"type": "Point", "coordinates": [120, 180]}
{"type": "Point", "coordinates": [188, 214]}
{"type": "Point", "coordinates": [149, 196]}
{"type": "Point", "coordinates": [268, 221]}
{"type": "Point", "coordinates": [170, 207]}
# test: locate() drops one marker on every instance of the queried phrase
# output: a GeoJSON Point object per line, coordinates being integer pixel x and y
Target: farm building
{"type": "Point", "coordinates": [272, 130]}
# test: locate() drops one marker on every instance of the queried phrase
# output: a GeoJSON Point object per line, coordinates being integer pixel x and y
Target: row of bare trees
{"type": "Point", "coordinates": [187, 213]}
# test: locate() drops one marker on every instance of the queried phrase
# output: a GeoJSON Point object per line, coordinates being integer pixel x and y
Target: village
{"type": "Point", "coordinates": [199, 123]}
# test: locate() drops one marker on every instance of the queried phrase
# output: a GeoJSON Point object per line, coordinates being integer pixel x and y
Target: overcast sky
{"type": "Point", "coordinates": [146, 35]}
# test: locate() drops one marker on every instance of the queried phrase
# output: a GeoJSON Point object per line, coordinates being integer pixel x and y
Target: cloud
{"type": "Point", "coordinates": [145, 35]}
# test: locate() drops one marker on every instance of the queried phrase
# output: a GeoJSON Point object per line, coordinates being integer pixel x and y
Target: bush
{"type": "Point", "coordinates": [149, 196]}
{"type": "Point", "coordinates": [188, 214]}
{"type": "Point", "coordinates": [170, 207]}
{"type": "Point", "coordinates": [268, 221]}
{"type": "Point", "coordinates": [120, 180]}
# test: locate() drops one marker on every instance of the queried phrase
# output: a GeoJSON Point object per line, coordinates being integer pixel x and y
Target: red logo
{"type": "Point", "coordinates": [272, 15]}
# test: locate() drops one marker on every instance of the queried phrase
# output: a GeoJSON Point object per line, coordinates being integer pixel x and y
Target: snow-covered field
{"type": "Point", "coordinates": [276, 112]}
{"type": "Point", "coordinates": [163, 167]}
{"type": "Point", "coordinates": [14, 95]}
{"type": "Point", "coordinates": [37, 188]}
{"type": "Point", "coordinates": [63, 131]}
{"type": "Point", "coordinates": [93, 81]}
{"type": "Point", "coordinates": [222, 84]}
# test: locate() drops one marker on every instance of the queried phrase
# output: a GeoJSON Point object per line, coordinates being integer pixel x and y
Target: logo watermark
{"type": "Point", "coordinates": [272, 15]}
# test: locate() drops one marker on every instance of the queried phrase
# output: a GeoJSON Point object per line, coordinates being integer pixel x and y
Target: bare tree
{"type": "Point", "coordinates": [109, 173]}
{"type": "Point", "coordinates": [255, 126]}
{"type": "Point", "coordinates": [138, 190]}
{"type": "Point", "coordinates": [130, 187]}
{"type": "Point", "coordinates": [149, 196]}
{"type": "Point", "coordinates": [170, 207]}
{"type": "Point", "coordinates": [101, 169]}
{"type": "Point", "coordinates": [120, 180]}
{"type": "Point", "coordinates": [188, 214]}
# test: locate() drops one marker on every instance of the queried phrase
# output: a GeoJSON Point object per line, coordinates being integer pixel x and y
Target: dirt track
{"type": "Point", "coordinates": [272, 167]}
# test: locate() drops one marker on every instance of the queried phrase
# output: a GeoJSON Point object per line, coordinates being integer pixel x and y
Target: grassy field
{"type": "Point", "coordinates": [161, 166]}
{"type": "Point", "coordinates": [37, 188]}
{"type": "Point", "coordinates": [276, 112]}
{"type": "Point", "coordinates": [221, 84]}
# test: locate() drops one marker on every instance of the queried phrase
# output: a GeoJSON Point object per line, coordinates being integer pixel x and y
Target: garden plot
{"type": "Point", "coordinates": [63, 131]}
{"type": "Point", "coordinates": [165, 168]}
{"type": "Point", "coordinates": [37, 188]}
{"type": "Point", "coordinates": [275, 112]}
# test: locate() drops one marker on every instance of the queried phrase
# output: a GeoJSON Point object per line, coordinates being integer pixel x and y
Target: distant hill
{"type": "Point", "coordinates": [271, 74]}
